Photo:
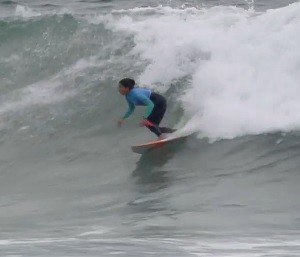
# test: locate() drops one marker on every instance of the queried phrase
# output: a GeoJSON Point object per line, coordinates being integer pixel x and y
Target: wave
{"type": "Point", "coordinates": [241, 66]}
{"type": "Point", "coordinates": [233, 71]}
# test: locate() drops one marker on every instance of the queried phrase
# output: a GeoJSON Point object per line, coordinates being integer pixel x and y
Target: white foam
{"type": "Point", "coordinates": [35, 241]}
{"type": "Point", "coordinates": [29, 12]}
{"type": "Point", "coordinates": [244, 247]}
{"type": "Point", "coordinates": [244, 66]}
{"type": "Point", "coordinates": [47, 91]}
{"type": "Point", "coordinates": [40, 93]}
{"type": "Point", "coordinates": [26, 12]}
{"type": "Point", "coordinates": [97, 230]}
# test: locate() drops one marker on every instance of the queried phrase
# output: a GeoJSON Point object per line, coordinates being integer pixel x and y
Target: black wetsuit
{"type": "Point", "coordinates": [157, 114]}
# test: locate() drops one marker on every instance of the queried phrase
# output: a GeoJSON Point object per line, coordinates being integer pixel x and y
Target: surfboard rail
{"type": "Point", "coordinates": [142, 148]}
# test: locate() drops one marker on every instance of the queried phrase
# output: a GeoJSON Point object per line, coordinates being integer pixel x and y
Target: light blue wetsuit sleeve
{"type": "Point", "coordinates": [149, 104]}
{"type": "Point", "coordinates": [130, 110]}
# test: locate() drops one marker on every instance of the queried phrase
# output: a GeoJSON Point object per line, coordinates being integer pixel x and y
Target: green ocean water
{"type": "Point", "coordinates": [69, 183]}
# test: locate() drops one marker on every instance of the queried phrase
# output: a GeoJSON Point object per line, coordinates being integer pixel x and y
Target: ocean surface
{"type": "Point", "coordinates": [70, 184]}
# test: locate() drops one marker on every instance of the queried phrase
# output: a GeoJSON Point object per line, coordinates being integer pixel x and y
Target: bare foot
{"type": "Point", "coordinates": [162, 137]}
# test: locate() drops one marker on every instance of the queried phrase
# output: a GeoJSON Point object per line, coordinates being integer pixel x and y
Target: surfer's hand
{"type": "Point", "coordinates": [143, 122]}
{"type": "Point", "coordinates": [121, 122]}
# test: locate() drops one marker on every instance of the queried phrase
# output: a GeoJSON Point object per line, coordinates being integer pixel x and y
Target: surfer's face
{"type": "Point", "coordinates": [123, 90]}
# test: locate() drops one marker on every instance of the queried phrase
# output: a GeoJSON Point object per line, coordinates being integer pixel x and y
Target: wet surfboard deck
{"type": "Point", "coordinates": [143, 148]}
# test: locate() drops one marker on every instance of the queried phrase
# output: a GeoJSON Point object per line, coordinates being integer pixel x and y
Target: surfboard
{"type": "Point", "coordinates": [143, 148]}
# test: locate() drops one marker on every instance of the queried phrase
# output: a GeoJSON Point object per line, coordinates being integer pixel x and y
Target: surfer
{"type": "Point", "coordinates": [156, 106]}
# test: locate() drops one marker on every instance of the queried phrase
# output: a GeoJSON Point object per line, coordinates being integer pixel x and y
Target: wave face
{"type": "Point", "coordinates": [69, 181]}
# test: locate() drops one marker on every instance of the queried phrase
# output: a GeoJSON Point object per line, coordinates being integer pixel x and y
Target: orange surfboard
{"type": "Point", "coordinates": [143, 148]}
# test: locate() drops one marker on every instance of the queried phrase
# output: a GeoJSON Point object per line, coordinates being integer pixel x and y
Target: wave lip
{"type": "Point", "coordinates": [26, 12]}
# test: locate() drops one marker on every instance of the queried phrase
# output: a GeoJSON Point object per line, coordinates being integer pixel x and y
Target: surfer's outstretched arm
{"type": "Point", "coordinates": [130, 110]}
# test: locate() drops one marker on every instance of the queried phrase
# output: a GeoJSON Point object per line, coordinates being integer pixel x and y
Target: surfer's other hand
{"type": "Point", "coordinates": [143, 122]}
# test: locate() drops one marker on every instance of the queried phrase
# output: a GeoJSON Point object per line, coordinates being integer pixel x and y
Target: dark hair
{"type": "Point", "coordinates": [129, 83]}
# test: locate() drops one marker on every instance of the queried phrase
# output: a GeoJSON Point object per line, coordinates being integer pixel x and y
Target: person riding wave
{"type": "Point", "coordinates": [156, 106]}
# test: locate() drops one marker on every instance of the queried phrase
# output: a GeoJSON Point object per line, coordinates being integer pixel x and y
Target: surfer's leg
{"type": "Point", "coordinates": [166, 130]}
{"type": "Point", "coordinates": [160, 106]}
{"type": "Point", "coordinates": [155, 129]}
{"type": "Point", "coordinates": [159, 112]}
